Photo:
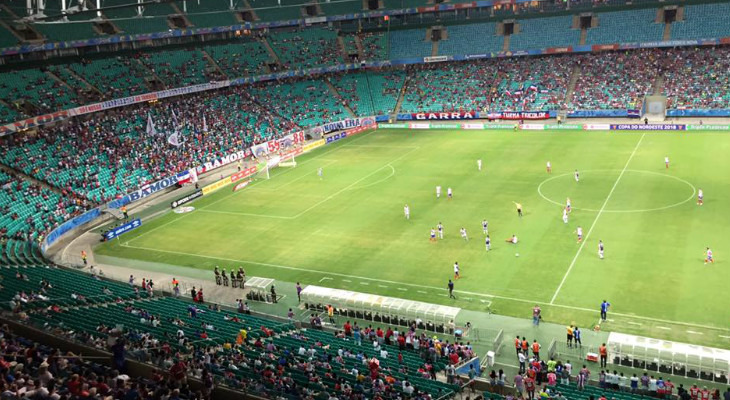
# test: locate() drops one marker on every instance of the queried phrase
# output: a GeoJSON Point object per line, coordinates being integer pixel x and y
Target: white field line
{"type": "Point", "coordinates": [326, 199]}
{"type": "Point", "coordinates": [301, 177]}
{"type": "Point", "coordinates": [593, 225]}
{"type": "Point", "coordinates": [490, 296]}
{"type": "Point", "coordinates": [317, 157]}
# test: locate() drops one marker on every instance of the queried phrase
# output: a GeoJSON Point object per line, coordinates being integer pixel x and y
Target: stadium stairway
{"type": "Point", "coordinates": [574, 75]}
{"type": "Point", "coordinates": [215, 65]}
{"type": "Point", "coordinates": [337, 94]}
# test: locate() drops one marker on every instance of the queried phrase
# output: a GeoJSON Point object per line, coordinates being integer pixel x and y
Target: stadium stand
{"type": "Point", "coordinates": [306, 48]}
{"type": "Point", "coordinates": [695, 78]}
{"type": "Point", "coordinates": [626, 27]}
{"type": "Point", "coordinates": [273, 10]}
{"type": "Point", "coordinates": [7, 39]}
{"type": "Point", "coordinates": [374, 45]}
{"type": "Point", "coordinates": [409, 44]}
{"type": "Point", "coordinates": [127, 19]}
{"type": "Point", "coordinates": [29, 210]}
{"type": "Point", "coordinates": [242, 58]}
{"type": "Point", "coordinates": [205, 14]}
{"type": "Point", "coordinates": [66, 31]}
{"type": "Point", "coordinates": [461, 41]}
{"type": "Point", "coordinates": [370, 93]}
{"type": "Point", "coordinates": [35, 86]}
{"type": "Point", "coordinates": [178, 68]}
{"type": "Point", "coordinates": [703, 21]}
{"type": "Point", "coordinates": [532, 33]}
{"type": "Point", "coordinates": [531, 84]}
{"type": "Point", "coordinates": [305, 102]}
{"type": "Point", "coordinates": [114, 77]}
{"type": "Point", "coordinates": [616, 80]}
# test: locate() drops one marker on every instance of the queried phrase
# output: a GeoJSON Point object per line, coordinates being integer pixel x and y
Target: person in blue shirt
{"type": "Point", "coordinates": [604, 309]}
{"type": "Point", "coordinates": [576, 337]}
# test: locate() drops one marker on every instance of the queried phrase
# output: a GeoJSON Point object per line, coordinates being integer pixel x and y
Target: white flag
{"type": "Point", "coordinates": [174, 139]}
{"type": "Point", "coordinates": [174, 119]}
{"type": "Point", "coordinates": [150, 126]}
{"type": "Point", "coordinates": [205, 125]}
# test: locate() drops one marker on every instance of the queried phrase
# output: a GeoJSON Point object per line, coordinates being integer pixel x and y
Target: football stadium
{"type": "Point", "coordinates": [364, 199]}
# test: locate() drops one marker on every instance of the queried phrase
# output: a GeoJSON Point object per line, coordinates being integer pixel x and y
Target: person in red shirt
{"type": "Point", "coordinates": [401, 342]}
{"type": "Point", "coordinates": [694, 391]}
{"type": "Point", "coordinates": [668, 388]}
{"type": "Point", "coordinates": [388, 335]}
{"type": "Point", "coordinates": [530, 387]}
{"type": "Point", "coordinates": [74, 385]}
{"type": "Point", "coordinates": [348, 329]}
{"type": "Point", "coordinates": [454, 358]}
{"type": "Point", "coordinates": [603, 352]}
{"type": "Point", "coordinates": [704, 394]}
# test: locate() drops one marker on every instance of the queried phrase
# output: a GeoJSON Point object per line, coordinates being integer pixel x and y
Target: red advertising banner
{"type": "Point", "coordinates": [243, 174]}
{"type": "Point", "coordinates": [517, 115]}
{"type": "Point", "coordinates": [444, 115]}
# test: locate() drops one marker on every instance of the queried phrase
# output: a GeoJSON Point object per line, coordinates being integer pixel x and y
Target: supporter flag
{"type": "Point", "coordinates": [174, 118]}
{"type": "Point", "coordinates": [151, 131]}
{"type": "Point", "coordinates": [533, 88]}
{"type": "Point", "coordinates": [205, 125]}
{"type": "Point", "coordinates": [174, 139]}
{"type": "Point", "coordinates": [260, 150]}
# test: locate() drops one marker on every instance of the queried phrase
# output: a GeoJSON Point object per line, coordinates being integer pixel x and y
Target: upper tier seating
{"type": "Point", "coordinates": [307, 48]}
{"type": "Point", "coordinates": [539, 33]}
{"type": "Point", "coordinates": [626, 27]}
{"type": "Point", "coordinates": [409, 44]}
{"type": "Point", "coordinates": [703, 21]}
{"type": "Point", "coordinates": [461, 39]}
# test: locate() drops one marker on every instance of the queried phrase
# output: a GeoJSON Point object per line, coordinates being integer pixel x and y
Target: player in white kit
{"type": "Point", "coordinates": [488, 243]}
{"type": "Point", "coordinates": [577, 176]}
{"type": "Point", "coordinates": [407, 211]}
{"type": "Point", "coordinates": [567, 204]}
{"type": "Point", "coordinates": [319, 172]}
{"type": "Point", "coordinates": [440, 228]}
{"type": "Point", "coordinates": [463, 234]}
{"type": "Point", "coordinates": [708, 256]}
{"type": "Point", "coordinates": [485, 226]}
{"type": "Point", "coordinates": [700, 197]}
{"type": "Point", "coordinates": [549, 167]}
{"type": "Point", "coordinates": [565, 215]}
{"type": "Point", "coordinates": [449, 193]}
{"type": "Point", "coordinates": [666, 162]}
{"type": "Point", "coordinates": [438, 192]}
{"type": "Point", "coordinates": [579, 232]}
{"type": "Point", "coordinates": [600, 249]}
{"type": "Point", "coordinates": [433, 235]}
{"type": "Point", "coordinates": [456, 270]}
{"type": "Point", "coordinates": [479, 164]}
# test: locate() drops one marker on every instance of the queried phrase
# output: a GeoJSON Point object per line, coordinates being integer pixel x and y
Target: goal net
{"type": "Point", "coordinates": [288, 161]}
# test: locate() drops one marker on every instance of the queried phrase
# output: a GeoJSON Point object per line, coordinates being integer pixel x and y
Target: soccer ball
{"type": "Point", "coordinates": [517, 254]}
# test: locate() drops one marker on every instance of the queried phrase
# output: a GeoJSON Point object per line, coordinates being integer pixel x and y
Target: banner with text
{"type": "Point", "coordinates": [122, 229]}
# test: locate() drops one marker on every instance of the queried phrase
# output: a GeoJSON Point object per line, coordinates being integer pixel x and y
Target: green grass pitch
{"type": "Point", "coordinates": [348, 229]}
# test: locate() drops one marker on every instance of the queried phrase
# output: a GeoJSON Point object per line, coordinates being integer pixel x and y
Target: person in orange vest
{"type": "Point", "coordinates": [124, 212]}
{"type": "Point", "coordinates": [603, 352]}
{"type": "Point", "coordinates": [536, 349]}
{"type": "Point", "coordinates": [518, 345]}
{"type": "Point", "coordinates": [331, 313]}
{"type": "Point", "coordinates": [525, 346]}
{"type": "Point", "coordinates": [83, 256]}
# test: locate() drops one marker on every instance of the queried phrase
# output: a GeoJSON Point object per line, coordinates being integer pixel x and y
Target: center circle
{"type": "Point", "coordinates": [595, 186]}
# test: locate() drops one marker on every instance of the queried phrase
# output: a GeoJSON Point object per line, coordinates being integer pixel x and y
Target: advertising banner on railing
{"type": "Point", "coordinates": [186, 199]}
{"type": "Point", "coordinates": [348, 124]}
{"type": "Point", "coordinates": [216, 185]}
{"type": "Point", "coordinates": [442, 116]}
{"type": "Point", "coordinates": [150, 189]}
{"type": "Point", "coordinates": [648, 127]}
{"type": "Point", "coordinates": [708, 127]}
{"type": "Point", "coordinates": [67, 226]}
{"type": "Point", "coordinates": [337, 136]}
{"type": "Point", "coordinates": [517, 115]}
{"type": "Point", "coordinates": [698, 113]}
{"type": "Point", "coordinates": [122, 229]}
{"type": "Point", "coordinates": [230, 158]}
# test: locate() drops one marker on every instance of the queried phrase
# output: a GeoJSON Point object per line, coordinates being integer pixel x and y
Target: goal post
{"type": "Point", "coordinates": [288, 161]}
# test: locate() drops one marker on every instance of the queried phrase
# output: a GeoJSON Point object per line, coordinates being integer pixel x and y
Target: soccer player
{"type": "Point", "coordinates": [433, 235]}
{"type": "Point", "coordinates": [449, 193]}
{"type": "Point", "coordinates": [407, 211]}
{"type": "Point", "coordinates": [438, 192]}
{"type": "Point", "coordinates": [708, 256]}
{"type": "Point", "coordinates": [488, 243]}
{"type": "Point", "coordinates": [512, 240]}
{"type": "Point", "coordinates": [565, 215]}
{"type": "Point", "coordinates": [319, 173]}
{"type": "Point", "coordinates": [456, 270]}
{"type": "Point", "coordinates": [549, 168]}
{"type": "Point", "coordinates": [463, 234]}
{"type": "Point", "coordinates": [567, 204]}
{"type": "Point", "coordinates": [579, 232]}
{"type": "Point", "coordinates": [479, 164]}
{"type": "Point", "coordinates": [519, 209]}
{"type": "Point", "coordinates": [485, 226]}
{"type": "Point", "coordinates": [441, 230]}
{"type": "Point", "coordinates": [577, 176]}
{"type": "Point", "coordinates": [600, 249]}
{"type": "Point", "coordinates": [700, 196]}
{"type": "Point", "coordinates": [666, 162]}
